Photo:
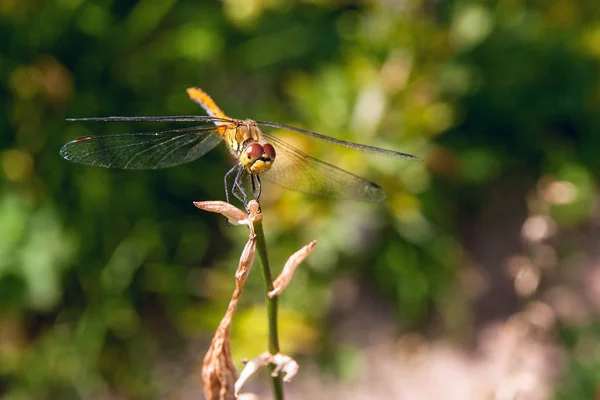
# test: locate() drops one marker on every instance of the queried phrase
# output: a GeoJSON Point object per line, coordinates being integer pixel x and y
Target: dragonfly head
{"type": "Point", "coordinates": [257, 158]}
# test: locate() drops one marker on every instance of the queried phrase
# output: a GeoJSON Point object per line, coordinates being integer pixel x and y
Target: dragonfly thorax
{"type": "Point", "coordinates": [256, 158]}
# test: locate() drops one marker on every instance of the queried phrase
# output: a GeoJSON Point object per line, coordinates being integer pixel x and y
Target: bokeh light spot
{"type": "Point", "coordinates": [561, 192]}
{"type": "Point", "coordinates": [17, 165]}
{"type": "Point", "coordinates": [537, 228]}
{"type": "Point", "coordinates": [471, 25]}
{"type": "Point", "coordinates": [197, 43]}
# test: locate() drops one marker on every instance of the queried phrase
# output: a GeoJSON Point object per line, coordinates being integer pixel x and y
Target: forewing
{"type": "Point", "coordinates": [298, 171]}
{"type": "Point", "coordinates": [142, 150]}
{"type": "Point", "coordinates": [350, 145]}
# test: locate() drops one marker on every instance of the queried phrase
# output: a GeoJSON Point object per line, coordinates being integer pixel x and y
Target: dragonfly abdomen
{"type": "Point", "coordinates": [201, 97]}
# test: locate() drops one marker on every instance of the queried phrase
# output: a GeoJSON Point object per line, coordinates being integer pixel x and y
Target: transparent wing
{"type": "Point", "coordinates": [298, 171]}
{"type": "Point", "coordinates": [143, 150]}
{"type": "Point", "coordinates": [166, 118]}
{"type": "Point", "coordinates": [352, 145]}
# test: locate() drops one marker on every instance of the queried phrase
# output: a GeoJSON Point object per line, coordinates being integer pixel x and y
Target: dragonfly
{"type": "Point", "coordinates": [258, 154]}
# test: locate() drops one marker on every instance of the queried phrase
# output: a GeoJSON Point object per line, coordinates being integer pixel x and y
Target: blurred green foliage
{"type": "Point", "coordinates": [103, 272]}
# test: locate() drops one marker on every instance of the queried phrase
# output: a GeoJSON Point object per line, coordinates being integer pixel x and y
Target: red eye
{"type": "Point", "coordinates": [254, 151]}
{"type": "Point", "coordinates": [270, 151]}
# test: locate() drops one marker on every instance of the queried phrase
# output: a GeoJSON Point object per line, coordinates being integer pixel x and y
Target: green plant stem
{"type": "Point", "coordinates": [261, 247]}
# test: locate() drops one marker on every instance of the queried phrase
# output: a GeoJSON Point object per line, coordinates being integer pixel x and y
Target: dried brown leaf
{"type": "Point", "coordinates": [282, 363]}
{"type": "Point", "coordinates": [232, 213]}
{"type": "Point", "coordinates": [289, 268]}
{"type": "Point", "coordinates": [218, 370]}
{"type": "Point", "coordinates": [246, 260]}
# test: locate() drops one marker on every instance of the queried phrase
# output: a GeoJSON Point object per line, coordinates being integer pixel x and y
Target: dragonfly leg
{"type": "Point", "coordinates": [227, 175]}
{"type": "Point", "coordinates": [238, 186]}
{"type": "Point", "coordinates": [256, 185]}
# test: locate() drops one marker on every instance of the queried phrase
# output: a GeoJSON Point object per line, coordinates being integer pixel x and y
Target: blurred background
{"type": "Point", "coordinates": [478, 277]}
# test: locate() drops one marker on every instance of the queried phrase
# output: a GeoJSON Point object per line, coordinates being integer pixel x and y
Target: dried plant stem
{"type": "Point", "coordinates": [261, 247]}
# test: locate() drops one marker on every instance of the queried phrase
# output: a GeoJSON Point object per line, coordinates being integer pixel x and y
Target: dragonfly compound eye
{"type": "Point", "coordinates": [254, 151]}
{"type": "Point", "coordinates": [270, 151]}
